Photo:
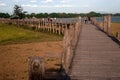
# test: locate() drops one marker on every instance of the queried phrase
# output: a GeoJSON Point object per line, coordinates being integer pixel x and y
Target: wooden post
{"type": "Point", "coordinates": [62, 28]}
{"type": "Point", "coordinates": [79, 19]}
{"type": "Point", "coordinates": [109, 24]}
{"type": "Point", "coordinates": [105, 24]}
{"type": "Point", "coordinates": [59, 29]}
{"type": "Point", "coordinates": [44, 25]}
{"type": "Point", "coordinates": [36, 68]}
{"type": "Point", "coordinates": [48, 26]}
{"type": "Point", "coordinates": [53, 27]}
{"type": "Point", "coordinates": [118, 35]}
{"type": "Point", "coordinates": [67, 51]}
{"type": "Point", "coordinates": [76, 32]}
{"type": "Point", "coordinates": [39, 25]}
{"type": "Point", "coordinates": [70, 37]}
{"type": "Point", "coordinates": [64, 49]}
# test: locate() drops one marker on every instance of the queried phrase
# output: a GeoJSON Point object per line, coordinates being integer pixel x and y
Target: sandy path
{"type": "Point", "coordinates": [14, 58]}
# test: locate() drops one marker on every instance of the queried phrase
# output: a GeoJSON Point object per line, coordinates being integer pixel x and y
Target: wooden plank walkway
{"type": "Point", "coordinates": [97, 57]}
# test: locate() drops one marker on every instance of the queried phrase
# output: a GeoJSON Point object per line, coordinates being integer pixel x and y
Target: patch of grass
{"type": "Point", "coordinates": [115, 27]}
{"type": "Point", "coordinates": [10, 34]}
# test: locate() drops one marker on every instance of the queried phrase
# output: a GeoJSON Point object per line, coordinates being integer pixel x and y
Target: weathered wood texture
{"type": "Point", "coordinates": [97, 57]}
{"type": "Point", "coordinates": [69, 42]}
{"type": "Point", "coordinates": [42, 25]}
{"type": "Point", "coordinates": [118, 35]}
{"type": "Point", "coordinates": [106, 24]}
{"type": "Point", "coordinates": [36, 68]}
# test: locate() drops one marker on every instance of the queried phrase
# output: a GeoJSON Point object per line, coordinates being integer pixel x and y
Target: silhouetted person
{"type": "Point", "coordinates": [89, 19]}
{"type": "Point", "coordinates": [85, 19]}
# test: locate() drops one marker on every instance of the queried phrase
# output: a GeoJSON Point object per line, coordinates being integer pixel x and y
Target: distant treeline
{"type": "Point", "coordinates": [58, 15]}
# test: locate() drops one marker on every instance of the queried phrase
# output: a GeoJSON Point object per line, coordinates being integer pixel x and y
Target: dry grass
{"type": "Point", "coordinates": [115, 27]}
{"type": "Point", "coordinates": [14, 58]}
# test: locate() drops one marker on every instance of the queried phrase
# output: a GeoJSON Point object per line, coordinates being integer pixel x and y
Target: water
{"type": "Point", "coordinates": [100, 19]}
{"type": "Point", "coordinates": [113, 19]}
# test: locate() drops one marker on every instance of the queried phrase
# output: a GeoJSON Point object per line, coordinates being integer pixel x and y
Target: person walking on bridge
{"type": "Point", "coordinates": [85, 19]}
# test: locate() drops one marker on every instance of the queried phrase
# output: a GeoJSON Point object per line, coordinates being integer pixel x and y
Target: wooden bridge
{"type": "Point", "coordinates": [96, 55]}
{"type": "Point", "coordinates": [90, 52]}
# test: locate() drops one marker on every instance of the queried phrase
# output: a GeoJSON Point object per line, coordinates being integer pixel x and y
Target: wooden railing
{"type": "Point", "coordinates": [69, 43]}
{"type": "Point", "coordinates": [118, 36]}
{"type": "Point", "coordinates": [57, 27]}
{"type": "Point", "coordinates": [71, 32]}
{"type": "Point", "coordinates": [106, 26]}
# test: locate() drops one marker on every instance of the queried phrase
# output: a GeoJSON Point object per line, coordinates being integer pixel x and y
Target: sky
{"type": "Point", "coordinates": [67, 6]}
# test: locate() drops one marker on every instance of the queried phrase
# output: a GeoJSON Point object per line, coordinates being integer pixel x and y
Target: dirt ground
{"type": "Point", "coordinates": [14, 58]}
{"type": "Point", "coordinates": [115, 27]}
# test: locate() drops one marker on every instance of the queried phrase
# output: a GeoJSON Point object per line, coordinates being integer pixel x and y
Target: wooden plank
{"type": "Point", "coordinates": [96, 56]}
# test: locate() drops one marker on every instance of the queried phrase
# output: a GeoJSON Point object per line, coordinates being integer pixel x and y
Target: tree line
{"type": "Point", "coordinates": [20, 13]}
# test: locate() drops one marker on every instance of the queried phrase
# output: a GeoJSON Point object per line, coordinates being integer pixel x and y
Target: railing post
{"type": "Point", "coordinates": [59, 28]}
{"type": "Point", "coordinates": [109, 24]}
{"type": "Point", "coordinates": [65, 49]}
{"type": "Point", "coordinates": [118, 35]}
{"type": "Point", "coordinates": [36, 68]}
{"type": "Point", "coordinates": [93, 20]}
{"type": "Point", "coordinates": [54, 26]}
{"type": "Point", "coordinates": [69, 41]}
{"type": "Point", "coordinates": [105, 24]}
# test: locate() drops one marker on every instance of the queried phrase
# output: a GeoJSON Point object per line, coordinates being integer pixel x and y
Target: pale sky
{"type": "Point", "coordinates": [68, 6]}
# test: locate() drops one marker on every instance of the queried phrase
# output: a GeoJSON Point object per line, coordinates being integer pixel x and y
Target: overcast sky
{"type": "Point", "coordinates": [68, 6]}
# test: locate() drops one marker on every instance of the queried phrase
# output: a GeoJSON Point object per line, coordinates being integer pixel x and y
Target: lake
{"type": "Point", "coordinates": [113, 19]}
{"type": "Point", "coordinates": [67, 20]}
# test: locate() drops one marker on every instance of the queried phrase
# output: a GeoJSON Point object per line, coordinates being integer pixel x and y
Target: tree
{"type": "Point", "coordinates": [94, 14]}
{"type": "Point", "coordinates": [18, 11]}
{"type": "Point", "coordinates": [4, 15]}
{"type": "Point", "coordinates": [32, 15]}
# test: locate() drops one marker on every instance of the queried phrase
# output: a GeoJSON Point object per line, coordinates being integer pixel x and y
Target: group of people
{"type": "Point", "coordinates": [51, 19]}
{"type": "Point", "coordinates": [87, 19]}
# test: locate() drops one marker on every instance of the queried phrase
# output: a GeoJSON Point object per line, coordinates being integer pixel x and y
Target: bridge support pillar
{"type": "Point", "coordinates": [36, 68]}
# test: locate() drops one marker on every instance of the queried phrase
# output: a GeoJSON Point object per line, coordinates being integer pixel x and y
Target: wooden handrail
{"type": "Point", "coordinates": [106, 24]}
{"type": "Point", "coordinates": [69, 42]}
{"type": "Point", "coordinates": [52, 27]}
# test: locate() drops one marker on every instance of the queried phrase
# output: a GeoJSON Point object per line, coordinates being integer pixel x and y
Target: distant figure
{"type": "Point", "coordinates": [89, 19]}
{"type": "Point", "coordinates": [85, 19]}
{"type": "Point", "coordinates": [55, 19]}
{"type": "Point", "coordinates": [50, 19]}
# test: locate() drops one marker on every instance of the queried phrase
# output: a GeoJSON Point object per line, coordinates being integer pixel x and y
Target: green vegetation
{"type": "Point", "coordinates": [10, 34]}
{"type": "Point", "coordinates": [23, 14]}
{"type": "Point", "coordinates": [4, 15]}
{"type": "Point", "coordinates": [18, 12]}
